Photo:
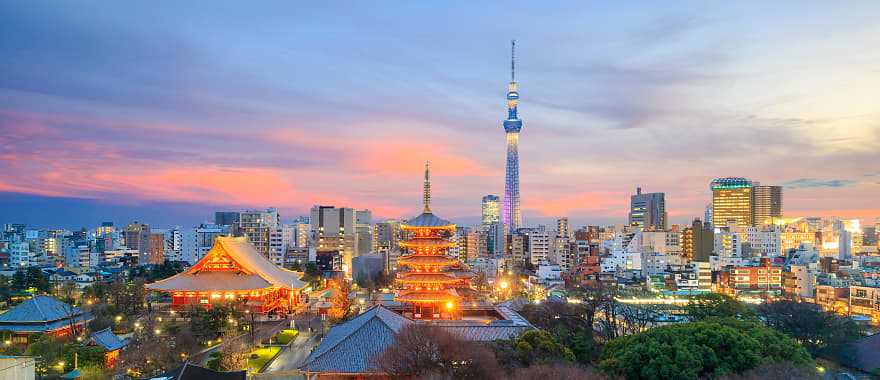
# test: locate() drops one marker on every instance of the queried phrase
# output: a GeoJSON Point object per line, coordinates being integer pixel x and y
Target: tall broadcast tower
{"type": "Point", "coordinates": [511, 214]}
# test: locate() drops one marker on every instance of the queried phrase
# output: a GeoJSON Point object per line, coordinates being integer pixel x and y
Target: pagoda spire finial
{"type": "Point", "coordinates": [513, 60]}
{"type": "Point", "coordinates": [427, 191]}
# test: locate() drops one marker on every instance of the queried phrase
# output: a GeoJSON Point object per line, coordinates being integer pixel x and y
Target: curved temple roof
{"type": "Point", "coordinates": [255, 271]}
{"type": "Point", "coordinates": [428, 219]}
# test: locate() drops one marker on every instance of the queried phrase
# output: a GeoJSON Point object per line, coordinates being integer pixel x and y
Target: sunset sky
{"type": "Point", "coordinates": [164, 112]}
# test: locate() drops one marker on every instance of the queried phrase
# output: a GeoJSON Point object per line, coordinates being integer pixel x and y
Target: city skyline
{"type": "Point", "coordinates": [105, 117]}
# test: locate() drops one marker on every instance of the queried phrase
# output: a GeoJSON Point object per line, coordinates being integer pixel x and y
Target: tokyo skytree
{"type": "Point", "coordinates": [511, 213]}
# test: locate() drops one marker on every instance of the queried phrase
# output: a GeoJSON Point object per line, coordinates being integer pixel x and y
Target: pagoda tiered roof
{"type": "Point", "coordinates": [426, 243]}
{"type": "Point", "coordinates": [231, 264]}
{"type": "Point", "coordinates": [426, 260]}
{"type": "Point", "coordinates": [427, 296]}
{"type": "Point", "coordinates": [428, 220]}
{"type": "Point", "coordinates": [427, 278]}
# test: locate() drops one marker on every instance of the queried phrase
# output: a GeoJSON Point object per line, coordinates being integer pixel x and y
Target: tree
{"type": "Point", "coordinates": [568, 323]}
{"type": "Point", "coordinates": [709, 348]}
{"type": "Point", "coordinates": [5, 288]}
{"type": "Point", "coordinates": [776, 371]}
{"type": "Point", "coordinates": [532, 347]}
{"type": "Point", "coordinates": [46, 350]}
{"type": "Point", "coordinates": [422, 351]}
{"type": "Point", "coordinates": [341, 302]}
{"type": "Point", "coordinates": [554, 371]}
{"type": "Point", "coordinates": [19, 281]}
{"type": "Point", "coordinates": [812, 327]}
{"type": "Point", "coordinates": [36, 279]}
{"type": "Point", "coordinates": [718, 305]}
{"type": "Point", "coordinates": [312, 274]}
{"type": "Point", "coordinates": [234, 355]}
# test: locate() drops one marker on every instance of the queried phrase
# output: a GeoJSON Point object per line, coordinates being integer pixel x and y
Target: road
{"type": "Point", "coordinates": [293, 356]}
{"type": "Point", "coordinates": [263, 330]}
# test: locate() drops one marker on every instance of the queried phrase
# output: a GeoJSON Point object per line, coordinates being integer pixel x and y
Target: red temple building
{"type": "Point", "coordinates": [430, 281]}
{"type": "Point", "coordinates": [233, 271]}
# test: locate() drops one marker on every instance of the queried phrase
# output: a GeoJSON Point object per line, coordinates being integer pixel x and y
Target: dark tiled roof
{"type": "Point", "coordinates": [428, 220]}
{"type": "Point", "coordinates": [487, 333]}
{"type": "Point", "coordinates": [351, 346]}
{"type": "Point", "coordinates": [189, 371]}
{"type": "Point", "coordinates": [108, 340]}
{"type": "Point", "coordinates": [39, 309]}
{"type": "Point", "coordinates": [865, 353]}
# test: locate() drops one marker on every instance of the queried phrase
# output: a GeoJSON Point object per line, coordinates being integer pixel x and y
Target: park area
{"type": "Point", "coordinates": [260, 356]}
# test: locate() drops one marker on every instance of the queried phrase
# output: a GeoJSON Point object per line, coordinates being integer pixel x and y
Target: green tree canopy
{"type": "Point", "coordinates": [532, 347]}
{"type": "Point", "coordinates": [808, 324]}
{"type": "Point", "coordinates": [568, 323]}
{"type": "Point", "coordinates": [704, 349]}
{"type": "Point", "coordinates": [718, 305]}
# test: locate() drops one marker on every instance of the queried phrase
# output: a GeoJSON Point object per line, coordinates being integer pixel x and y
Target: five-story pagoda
{"type": "Point", "coordinates": [429, 281]}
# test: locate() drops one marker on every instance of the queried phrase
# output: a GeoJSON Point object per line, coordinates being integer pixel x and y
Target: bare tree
{"type": "Point", "coordinates": [431, 352]}
{"type": "Point", "coordinates": [555, 371]}
{"type": "Point", "coordinates": [234, 355]}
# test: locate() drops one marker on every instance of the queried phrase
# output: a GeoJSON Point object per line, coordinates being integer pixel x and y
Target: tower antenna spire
{"type": "Point", "coordinates": [427, 190]}
{"type": "Point", "coordinates": [513, 60]}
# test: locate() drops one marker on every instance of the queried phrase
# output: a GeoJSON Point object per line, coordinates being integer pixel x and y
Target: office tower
{"type": "Point", "coordinates": [563, 229]}
{"type": "Point", "coordinates": [335, 231]}
{"type": "Point", "coordinates": [258, 225]}
{"type": "Point", "coordinates": [647, 211]}
{"type": "Point", "coordinates": [491, 210]}
{"type": "Point", "coordinates": [226, 218]}
{"type": "Point", "coordinates": [364, 231]}
{"type": "Point", "coordinates": [767, 204]}
{"type": "Point", "coordinates": [495, 239]}
{"type": "Point", "coordinates": [511, 214]}
{"type": "Point", "coordinates": [137, 237]}
{"type": "Point", "coordinates": [732, 201]}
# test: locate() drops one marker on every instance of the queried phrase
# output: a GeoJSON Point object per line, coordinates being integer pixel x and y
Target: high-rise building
{"type": "Point", "coordinates": [364, 230]}
{"type": "Point", "coordinates": [697, 242]}
{"type": "Point", "coordinates": [335, 230]}
{"type": "Point", "coordinates": [495, 239]}
{"type": "Point", "coordinates": [196, 242]}
{"type": "Point", "coordinates": [563, 229]}
{"type": "Point", "coordinates": [105, 228]}
{"type": "Point", "coordinates": [732, 201]}
{"type": "Point", "coordinates": [767, 204]}
{"type": "Point", "coordinates": [491, 210]}
{"type": "Point", "coordinates": [647, 210]}
{"type": "Point", "coordinates": [137, 237]}
{"type": "Point", "coordinates": [226, 218]}
{"type": "Point", "coordinates": [258, 225]}
{"type": "Point", "coordinates": [157, 246]}
{"type": "Point", "coordinates": [511, 213]}
{"type": "Point", "coordinates": [538, 244]}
